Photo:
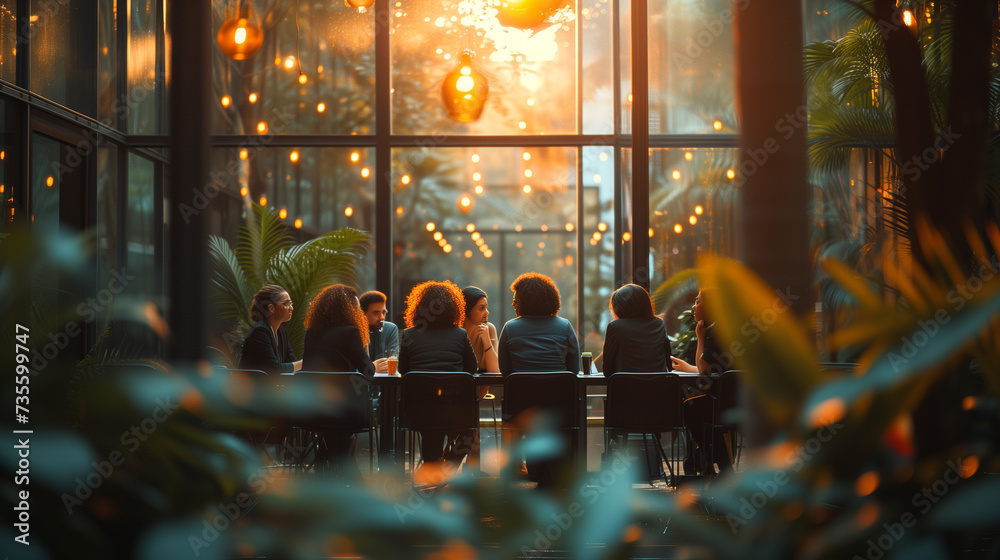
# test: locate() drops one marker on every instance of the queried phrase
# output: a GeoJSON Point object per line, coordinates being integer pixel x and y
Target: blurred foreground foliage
{"type": "Point", "coordinates": [139, 463]}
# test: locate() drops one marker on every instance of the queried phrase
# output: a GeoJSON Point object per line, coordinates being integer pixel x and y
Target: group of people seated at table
{"type": "Point", "coordinates": [447, 329]}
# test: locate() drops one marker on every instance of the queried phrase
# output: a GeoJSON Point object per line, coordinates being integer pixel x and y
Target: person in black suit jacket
{"type": "Point", "coordinates": [636, 341]}
{"type": "Point", "coordinates": [266, 346]}
{"type": "Point", "coordinates": [337, 333]}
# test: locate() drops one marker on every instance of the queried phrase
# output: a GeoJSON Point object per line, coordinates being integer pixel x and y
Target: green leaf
{"type": "Point", "coordinates": [759, 330]}
{"type": "Point", "coordinates": [972, 506]}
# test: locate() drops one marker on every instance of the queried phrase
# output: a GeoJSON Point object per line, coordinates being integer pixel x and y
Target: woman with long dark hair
{"type": "Point", "coordinates": [337, 333]}
{"type": "Point", "coordinates": [266, 346]}
{"type": "Point", "coordinates": [636, 341]}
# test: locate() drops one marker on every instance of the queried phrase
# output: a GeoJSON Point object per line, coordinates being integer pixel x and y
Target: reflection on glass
{"type": "Point", "coordinates": [8, 41]}
{"type": "Point", "coordinates": [532, 74]}
{"type": "Point", "coordinates": [146, 107]}
{"type": "Point", "coordinates": [691, 67]}
{"type": "Point", "coordinates": [317, 80]}
{"type": "Point", "coordinates": [496, 235]}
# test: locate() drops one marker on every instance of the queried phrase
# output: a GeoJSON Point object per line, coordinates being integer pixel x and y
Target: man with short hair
{"type": "Point", "coordinates": [383, 336]}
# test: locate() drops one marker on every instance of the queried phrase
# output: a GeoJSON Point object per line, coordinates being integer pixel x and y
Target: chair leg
{"type": "Point", "coordinates": [496, 439]}
{"type": "Point", "coordinates": [663, 455]}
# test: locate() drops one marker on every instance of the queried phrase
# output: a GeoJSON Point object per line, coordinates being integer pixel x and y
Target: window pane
{"type": "Point", "coordinates": [532, 76]}
{"type": "Point", "coordinates": [146, 101]}
{"type": "Point", "coordinates": [106, 226]}
{"type": "Point", "coordinates": [63, 53]}
{"type": "Point", "coordinates": [499, 234]}
{"type": "Point", "coordinates": [826, 20]}
{"type": "Point", "coordinates": [107, 80]}
{"type": "Point", "coordinates": [597, 81]}
{"type": "Point", "coordinates": [598, 249]}
{"type": "Point", "coordinates": [692, 86]}
{"type": "Point", "coordinates": [8, 40]}
{"type": "Point", "coordinates": [334, 49]}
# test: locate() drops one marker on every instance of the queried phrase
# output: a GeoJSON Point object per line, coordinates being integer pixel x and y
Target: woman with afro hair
{"type": "Point", "coordinates": [537, 339]}
{"type": "Point", "coordinates": [435, 340]}
{"type": "Point", "coordinates": [336, 333]}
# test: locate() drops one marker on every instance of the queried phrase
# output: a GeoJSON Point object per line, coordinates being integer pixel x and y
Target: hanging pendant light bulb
{"type": "Point", "coordinates": [360, 5]}
{"type": "Point", "coordinates": [239, 37]}
{"type": "Point", "coordinates": [527, 14]}
{"type": "Point", "coordinates": [465, 91]}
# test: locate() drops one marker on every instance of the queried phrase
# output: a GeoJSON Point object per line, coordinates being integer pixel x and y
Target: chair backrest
{"type": "Point", "coordinates": [439, 400]}
{"type": "Point", "coordinates": [727, 395]}
{"type": "Point", "coordinates": [217, 357]}
{"type": "Point", "coordinates": [348, 396]}
{"type": "Point", "coordinates": [644, 402]}
{"type": "Point", "coordinates": [554, 394]}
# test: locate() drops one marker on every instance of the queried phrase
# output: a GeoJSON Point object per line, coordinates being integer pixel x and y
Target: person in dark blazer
{"type": "Point", "coordinates": [435, 340]}
{"type": "Point", "coordinates": [537, 339]}
{"type": "Point", "coordinates": [336, 333]}
{"type": "Point", "coordinates": [266, 345]}
{"type": "Point", "coordinates": [636, 340]}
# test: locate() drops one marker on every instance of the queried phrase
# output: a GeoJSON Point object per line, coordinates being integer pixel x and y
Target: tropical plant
{"type": "Point", "coordinates": [265, 253]}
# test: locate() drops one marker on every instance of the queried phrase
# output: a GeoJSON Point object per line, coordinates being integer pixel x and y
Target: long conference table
{"type": "Point", "coordinates": [392, 447]}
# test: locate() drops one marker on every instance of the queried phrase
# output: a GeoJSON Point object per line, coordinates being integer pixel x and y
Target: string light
{"type": "Point", "coordinates": [298, 223]}
{"type": "Point", "coordinates": [349, 211]}
{"type": "Point", "coordinates": [226, 100]}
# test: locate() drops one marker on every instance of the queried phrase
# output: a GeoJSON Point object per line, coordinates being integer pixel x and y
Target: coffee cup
{"type": "Point", "coordinates": [588, 359]}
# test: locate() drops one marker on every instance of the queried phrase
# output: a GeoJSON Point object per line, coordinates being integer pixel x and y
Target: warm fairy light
{"type": "Point", "coordinates": [908, 18]}
{"type": "Point", "coordinates": [626, 236]}
{"type": "Point", "coordinates": [319, 69]}
{"type": "Point", "coordinates": [519, 245]}
{"type": "Point", "coordinates": [479, 189]}
{"type": "Point", "coordinates": [688, 156]}
{"type": "Point", "coordinates": [526, 189]}
{"type": "Point", "coordinates": [430, 226]}
{"type": "Point", "coordinates": [517, 228]}
{"type": "Point", "coordinates": [263, 201]}
{"type": "Point", "coordinates": [320, 107]}
{"type": "Point", "coordinates": [3, 154]}
{"type": "Point", "coordinates": [569, 226]}
{"type": "Point", "coordinates": [298, 223]}
{"type": "Point", "coordinates": [244, 191]}
{"type": "Point", "coordinates": [261, 127]}
{"type": "Point", "coordinates": [49, 181]}
{"type": "Point", "coordinates": [399, 210]}
{"type": "Point", "coordinates": [303, 79]}
{"type": "Point", "coordinates": [488, 253]}
{"type": "Point", "coordinates": [470, 228]}
{"type": "Point", "coordinates": [442, 242]}
{"type": "Point", "coordinates": [252, 98]}
{"type": "Point", "coordinates": [676, 174]}
{"type": "Point", "coordinates": [465, 201]}
{"type": "Point", "coordinates": [282, 213]}
{"type": "Point", "coordinates": [678, 228]}
{"type": "Point", "coordinates": [477, 176]}
{"type": "Point", "coordinates": [693, 220]}
{"type": "Point", "coordinates": [699, 210]}
{"type": "Point", "coordinates": [2, 189]}
{"type": "Point", "coordinates": [475, 158]}
{"type": "Point", "coordinates": [602, 227]}
{"type": "Point", "coordinates": [717, 125]}
{"type": "Point", "coordinates": [541, 244]}
{"type": "Point", "coordinates": [244, 154]}
{"type": "Point", "coordinates": [531, 102]}
{"type": "Point", "coordinates": [293, 156]}
{"type": "Point", "coordinates": [544, 227]}
{"type": "Point", "coordinates": [290, 62]}
{"type": "Point", "coordinates": [630, 98]}
{"type": "Point", "coordinates": [593, 242]}
{"type": "Point", "coordinates": [349, 211]}
{"type": "Point", "coordinates": [527, 173]}
{"type": "Point", "coordinates": [355, 156]}
{"type": "Point", "coordinates": [438, 235]}
{"type": "Point", "coordinates": [277, 61]}
{"type": "Point", "coordinates": [468, 253]}
{"type": "Point", "coordinates": [447, 248]}
{"type": "Point", "coordinates": [476, 236]}
{"type": "Point", "coordinates": [405, 179]}
{"type": "Point", "coordinates": [526, 156]}
{"type": "Point", "coordinates": [730, 174]}
{"type": "Point", "coordinates": [651, 232]}
{"type": "Point", "coordinates": [365, 172]}
{"type": "Point", "coordinates": [597, 236]}
{"type": "Point", "coordinates": [522, 125]}
{"type": "Point", "coordinates": [226, 100]}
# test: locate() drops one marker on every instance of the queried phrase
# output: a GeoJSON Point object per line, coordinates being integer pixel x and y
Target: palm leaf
{"type": "Point", "coordinates": [674, 288]}
{"type": "Point", "coordinates": [232, 292]}
{"type": "Point", "coordinates": [258, 241]}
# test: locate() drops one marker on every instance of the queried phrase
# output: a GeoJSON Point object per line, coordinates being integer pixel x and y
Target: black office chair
{"type": "Point", "coordinates": [646, 403]}
{"type": "Point", "coordinates": [724, 409]}
{"type": "Point", "coordinates": [438, 401]}
{"type": "Point", "coordinates": [548, 400]}
{"type": "Point", "coordinates": [350, 412]}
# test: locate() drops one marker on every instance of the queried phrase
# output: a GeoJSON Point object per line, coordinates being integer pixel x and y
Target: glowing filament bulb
{"type": "Point", "coordinates": [241, 35]}
{"type": "Point", "coordinates": [464, 83]}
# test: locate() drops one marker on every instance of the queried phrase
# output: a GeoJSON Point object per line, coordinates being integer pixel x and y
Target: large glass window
{"type": "Point", "coordinates": [313, 74]}
{"type": "Point", "coordinates": [146, 102]}
{"type": "Point", "coordinates": [63, 52]}
{"type": "Point", "coordinates": [8, 40]}
{"type": "Point", "coordinates": [484, 216]}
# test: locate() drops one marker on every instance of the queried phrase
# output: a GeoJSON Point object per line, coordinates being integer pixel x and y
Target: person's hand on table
{"type": "Point", "coordinates": [382, 365]}
{"type": "Point", "coordinates": [681, 365]}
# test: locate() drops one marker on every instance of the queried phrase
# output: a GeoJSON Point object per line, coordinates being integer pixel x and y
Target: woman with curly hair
{"type": "Point", "coordinates": [435, 340]}
{"type": "Point", "coordinates": [266, 346]}
{"type": "Point", "coordinates": [336, 333]}
{"type": "Point", "coordinates": [537, 339]}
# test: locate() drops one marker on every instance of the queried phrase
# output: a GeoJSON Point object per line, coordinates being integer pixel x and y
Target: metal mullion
{"type": "Point", "coordinates": [579, 181]}
{"type": "Point", "coordinates": [383, 149]}
{"type": "Point", "coordinates": [619, 141]}
{"type": "Point", "coordinates": [640, 144]}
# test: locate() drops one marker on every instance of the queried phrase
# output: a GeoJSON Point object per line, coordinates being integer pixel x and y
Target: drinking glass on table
{"type": "Point", "coordinates": [392, 361]}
